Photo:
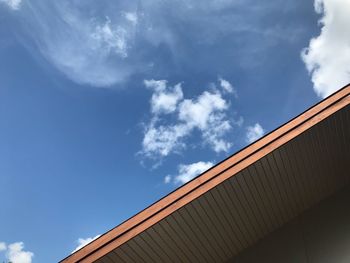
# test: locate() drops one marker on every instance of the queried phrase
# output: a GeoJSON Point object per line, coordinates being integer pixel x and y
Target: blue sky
{"type": "Point", "coordinates": [106, 106]}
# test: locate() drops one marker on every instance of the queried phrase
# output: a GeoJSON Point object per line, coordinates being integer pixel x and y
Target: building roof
{"type": "Point", "coordinates": [241, 199]}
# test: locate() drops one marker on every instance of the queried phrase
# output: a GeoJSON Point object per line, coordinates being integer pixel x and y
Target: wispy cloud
{"type": "Point", "coordinates": [89, 47]}
{"type": "Point", "coordinates": [15, 252]}
{"type": "Point", "coordinates": [111, 39]}
{"type": "Point", "coordinates": [187, 172]}
{"type": "Point", "coordinates": [167, 179]}
{"type": "Point", "coordinates": [206, 113]}
{"type": "Point", "coordinates": [254, 132]}
{"type": "Point", "coordinates": [327, 56]}
{"type": "Point", "coordinates": [227, 86]}
{"type": "Point", "coordinates": [13, 4]}
{"type": "Point", "coordinates": [82, 242]}
{"type": "Point", "coordinates": [105, 44]}
{"type": "Point", "coordinates": [132, 17]}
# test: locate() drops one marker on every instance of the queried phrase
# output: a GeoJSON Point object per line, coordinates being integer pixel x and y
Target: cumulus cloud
{"type": "Point", "coordinates": [198, 112]}
{"type": "Point", "coordinates": [206, 113]}
{"type": "Point", "coordinates": [327, 56]}
{"type": "Point", "coordinates": [82, 242]}
{"type": "Point", "coordinates": [189, 171]}
{"type": "Point", "coordinates": [13, 4]}
{"type": "Point", "coordinates": [15, 253]}
{"type": "Point", "coordinates": [161, 140]}
{"type": "Point", "coordinates": [164, 99]}
{"type": "Point", "coordinates": [254, 132]}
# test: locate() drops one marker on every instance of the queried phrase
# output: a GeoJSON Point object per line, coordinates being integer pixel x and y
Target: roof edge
{"type": "Point", "coordinates": [212, 177]}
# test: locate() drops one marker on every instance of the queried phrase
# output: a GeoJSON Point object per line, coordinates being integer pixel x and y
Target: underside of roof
{"type": "Point", "coordinates": [241, 200]}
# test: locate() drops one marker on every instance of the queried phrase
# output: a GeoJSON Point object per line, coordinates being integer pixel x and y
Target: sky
{"type": "Point", "coordinates": [107, 106]}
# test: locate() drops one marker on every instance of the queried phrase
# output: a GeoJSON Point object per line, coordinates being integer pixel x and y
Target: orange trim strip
{"type": "Point", "coordinates": [209, 179]}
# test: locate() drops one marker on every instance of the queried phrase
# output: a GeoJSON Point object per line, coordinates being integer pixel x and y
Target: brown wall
{"type": "Point", "coordinates": [319, 235]}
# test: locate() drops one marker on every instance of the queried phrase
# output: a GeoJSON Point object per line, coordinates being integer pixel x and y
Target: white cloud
{"type": "Point", "coordinates": [227, 86]}
{"type": "Point", "coordinates": [162, 140]}
{"type": "Point", "coordinates": [189, 171]}
{"type": "Point", "coordinates": [113, 40]}
{"type": "Point", "coordinates": [164, 99]}
{"type": "Point", "coordinates": [199, 112]}
{"type": "Point", "coordinates": [86, 46]}
{"type": "Point", "coordinates": [239, 122]}
{"type": "Point", "coordinates": [132, 17]}
{"type": "Point", "coordinates": [15, 253]}
{"type": "Point", "coordinates": [327, 56]}
{"type": "Point", "coordinates": [167, 179]}
{"type": "Point", "coordinates": [254, 132]}
{"type": "Point", "coordinates": [13, 4]}
{"type": "Point", "coordinates": [206, 114]}
{"type": "Point", "coordinates": [214, 134]}
{"type": "Point", "coordinates": [82, 242]}
{"type": "Point", "coordinates": [2, 246]}
{"type": "Point", "coordinates": [89, 52]}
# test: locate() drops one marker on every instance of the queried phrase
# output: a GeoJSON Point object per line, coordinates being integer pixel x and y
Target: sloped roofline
{"type": "Point", "coordinates": [211, 178]}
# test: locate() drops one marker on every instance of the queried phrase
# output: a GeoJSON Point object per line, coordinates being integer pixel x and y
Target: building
{"type": "Point", "coordinates": [284, 198]}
